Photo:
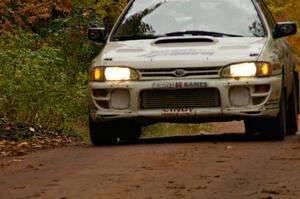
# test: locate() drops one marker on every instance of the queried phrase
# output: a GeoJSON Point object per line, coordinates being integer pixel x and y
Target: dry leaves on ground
{"type": "Point", "coordinates": [19, 139]}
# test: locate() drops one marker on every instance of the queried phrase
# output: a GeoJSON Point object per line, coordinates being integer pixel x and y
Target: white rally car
{"type": "Point", "coordinates": [193, 61]}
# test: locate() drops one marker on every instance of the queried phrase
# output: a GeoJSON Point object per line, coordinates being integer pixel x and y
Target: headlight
{"type": "Point", "coordinates": [117, 73]}
{"type": "Point", "coordinates": [113, 74]}
{"type": "Point", "coordinates": [250, 69]}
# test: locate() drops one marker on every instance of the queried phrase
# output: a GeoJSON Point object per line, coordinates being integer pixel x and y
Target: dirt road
{"type": "Point", "coordinates": [200, 167]}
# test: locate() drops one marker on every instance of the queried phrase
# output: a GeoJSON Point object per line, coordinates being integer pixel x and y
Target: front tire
{"type": "Point", "coordinates": [102, 133]}
{"type": "Point", "coordinates": [270, 128]}
{"type": "Point", "coordinates": [292, 114]}
{"type": "Point", "coordinates": [276, 128]}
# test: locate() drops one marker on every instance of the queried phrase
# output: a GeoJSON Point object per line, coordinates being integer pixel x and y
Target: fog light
{"type": "Point", "coordinates": [120, 99]}
{"type": "Point", "coordinates": [239, 96]}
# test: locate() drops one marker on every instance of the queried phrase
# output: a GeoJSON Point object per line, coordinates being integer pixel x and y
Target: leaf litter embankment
{"type": "Point", "coordinates": [20, 139]}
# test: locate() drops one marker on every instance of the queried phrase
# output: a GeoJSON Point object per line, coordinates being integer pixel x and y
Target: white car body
{"type": "Point", "coordinates": [166, 65]}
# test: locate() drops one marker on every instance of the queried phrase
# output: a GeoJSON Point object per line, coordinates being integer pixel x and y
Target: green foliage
{"type": "Point", "coordinates": [45, 57]}
{"type": "Point", "coordinates": [37, 88]}
{"type": "Point", "coordinates": [44, 64]}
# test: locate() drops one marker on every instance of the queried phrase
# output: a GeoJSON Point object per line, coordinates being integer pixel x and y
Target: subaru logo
{"type": "Point", "coordinates": [179, 73]}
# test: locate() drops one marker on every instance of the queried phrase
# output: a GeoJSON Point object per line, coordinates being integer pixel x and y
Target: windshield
{"type": "Point", "coordinates": [155, 18]}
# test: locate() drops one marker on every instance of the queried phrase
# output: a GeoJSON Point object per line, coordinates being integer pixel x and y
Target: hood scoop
{"type": "Point", "coordinates": [191, 40]}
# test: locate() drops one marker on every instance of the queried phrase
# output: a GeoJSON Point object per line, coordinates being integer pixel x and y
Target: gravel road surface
{"type": "Point", "coordinates": [230, 166]}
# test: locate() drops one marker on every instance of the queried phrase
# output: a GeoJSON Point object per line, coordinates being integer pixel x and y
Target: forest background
{"type": "Point", "coordinates": [45, 58]}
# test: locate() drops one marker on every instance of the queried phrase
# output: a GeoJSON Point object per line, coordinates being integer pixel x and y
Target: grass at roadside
{"type": "Point", "coordinates": [168, 129]}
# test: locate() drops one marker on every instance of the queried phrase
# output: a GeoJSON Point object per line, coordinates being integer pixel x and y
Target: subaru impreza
{"type": "Point", "coordinates": [193, 61]}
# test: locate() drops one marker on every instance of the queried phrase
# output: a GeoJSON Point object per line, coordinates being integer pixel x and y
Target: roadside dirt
{"type": "Point", "coordinates": [206, 167]}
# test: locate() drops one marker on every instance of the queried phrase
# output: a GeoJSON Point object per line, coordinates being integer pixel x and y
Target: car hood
{"type": "Point", "coordinates": [181, 52]}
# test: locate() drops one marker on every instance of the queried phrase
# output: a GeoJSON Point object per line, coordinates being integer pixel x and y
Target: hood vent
{"type": "Point", "coordinates": [166, 40]}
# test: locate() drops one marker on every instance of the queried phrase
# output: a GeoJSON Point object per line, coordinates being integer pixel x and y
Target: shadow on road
{"type": "Point", "coordinates": [234, 137]}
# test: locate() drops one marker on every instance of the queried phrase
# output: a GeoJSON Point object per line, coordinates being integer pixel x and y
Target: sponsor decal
{"type": "Point", "coordinates": [164, 85]}
{"type": "Point", "coordinates": [193, 84]}
{"type": "Point", "coordinates": [177, 52]}
{"type": "Point", "coordinates": [178, 112]}
{"type": "Point", "coordinates": [161, 1]}
{"type": "Point", "coordinates": [108, 59]}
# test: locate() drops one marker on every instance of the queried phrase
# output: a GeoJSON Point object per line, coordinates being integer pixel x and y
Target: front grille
{"type": "Point", "coordinates": [186, 73]}
{"type": "Point", "coordinates": [180, 98]}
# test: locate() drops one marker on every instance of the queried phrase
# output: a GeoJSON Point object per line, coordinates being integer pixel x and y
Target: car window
{"type": "Point", "coordinates": [269, 17]}
{"type": "Point", "coordinates": [158, 17]}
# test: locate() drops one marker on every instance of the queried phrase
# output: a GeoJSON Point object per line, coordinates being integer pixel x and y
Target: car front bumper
{"type": "Point", "coordinates": [264, 96]}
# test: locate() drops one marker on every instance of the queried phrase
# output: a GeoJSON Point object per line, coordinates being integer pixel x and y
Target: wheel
{"type": "Point", "coordinates": [102, 133]}
{"type": "Point", "coordinates": [275, 128]}
{"type": "Point", "coordinates": [270, 128]}
{"type": "Point", "coordinates": [292, 112]}
{"type": "Point", "coordinates": [131, 131]}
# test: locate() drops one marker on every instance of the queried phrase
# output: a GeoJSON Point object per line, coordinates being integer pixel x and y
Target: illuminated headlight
{"type": "Point", "coordinates": [113, 74]}
{"type": "Point", "coordinates": [251, 69]}
{"type": "Point", "coordinates": [117, 73]}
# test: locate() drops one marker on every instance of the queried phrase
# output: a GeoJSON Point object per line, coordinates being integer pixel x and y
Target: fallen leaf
{"type": "Point", "coordinates": [31, 129]}
{"type": "Point", "coordinates": [16, 160]}
{"type": "Point", "coordinates": [23, 144]}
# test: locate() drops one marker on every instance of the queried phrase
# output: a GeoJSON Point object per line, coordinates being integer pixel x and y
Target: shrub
{"type": "Point", "coordinates": [39, 87]}
{"type": "Point", "coordinates": [45, 62]}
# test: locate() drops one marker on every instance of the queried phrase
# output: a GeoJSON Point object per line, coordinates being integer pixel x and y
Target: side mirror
{"type": "Point", "coordinates": [97, 34]}
{"type": "Point", "coordinates": [284, 29]}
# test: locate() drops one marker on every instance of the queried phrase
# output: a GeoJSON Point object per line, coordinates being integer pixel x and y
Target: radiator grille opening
{"type": "Point", "coordinates": [171, 73]}
{"type": "Point", "coordinates": [180, 98]}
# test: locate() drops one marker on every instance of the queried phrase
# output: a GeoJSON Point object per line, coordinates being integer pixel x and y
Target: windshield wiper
{"type": "Point", "coordinates": [172, 34]}
{"type": "Point", "coordinates": [201, 32]}
{"type": "Point", "coordinates": [133, 37]}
